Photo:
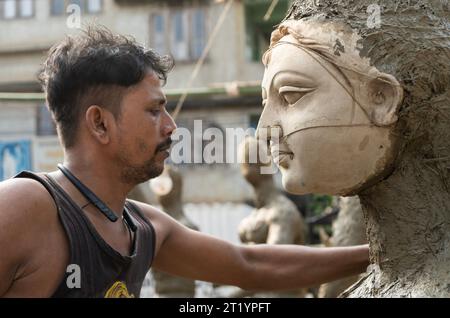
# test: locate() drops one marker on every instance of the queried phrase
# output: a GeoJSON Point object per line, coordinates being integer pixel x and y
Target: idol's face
{"type": "Point", "coordinates": [327, 143]}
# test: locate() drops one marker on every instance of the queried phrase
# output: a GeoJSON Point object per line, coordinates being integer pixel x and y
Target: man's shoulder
{"type": "Point", "coordinates": [22, 199]}
{"type": "Point", "coordinates": [29, 225]}
{"type": "Point", "coordinates": [22, 188]}
{"type": "Point", "coordinates": [148, 210]}
{"type": "Point", "coordinates": [163, 223]}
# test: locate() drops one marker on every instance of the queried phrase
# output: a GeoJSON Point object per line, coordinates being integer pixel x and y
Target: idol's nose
{"type": "Point", "coordinates": [264, 124]}
{"type": "Point", "coordinates": [269, 128]}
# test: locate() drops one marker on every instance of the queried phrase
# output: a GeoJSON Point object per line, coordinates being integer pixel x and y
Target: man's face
{"type": "Point", "coordinates": [328, 144]}
{"type": "Point", "coordinates": [144, 130]}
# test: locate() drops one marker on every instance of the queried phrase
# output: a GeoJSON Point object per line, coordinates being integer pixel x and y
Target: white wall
{"type": "Point", "coordinates": [17, 118]}
{"type": "Point", "coordinates": [33, 36]}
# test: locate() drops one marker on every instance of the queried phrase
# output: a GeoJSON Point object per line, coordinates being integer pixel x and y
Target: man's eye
{"type": "Point", "coordinates": [155, 112]}
{"type": "Point", "coordinates": [292, 95]}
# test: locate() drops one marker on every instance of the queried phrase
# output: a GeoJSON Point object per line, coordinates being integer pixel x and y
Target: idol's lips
{"type": "Point", "coordinates": [282, 161]}
{"type": "Point", "coordinates": [280, 152]}
{"type": "Point", "coordinates": [281, 156]}
{"type": "Point", "coordinates": [277, 152]}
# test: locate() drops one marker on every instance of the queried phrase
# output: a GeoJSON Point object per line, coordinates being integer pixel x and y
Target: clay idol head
{"type": "Point", "coordinates": [328, 113]}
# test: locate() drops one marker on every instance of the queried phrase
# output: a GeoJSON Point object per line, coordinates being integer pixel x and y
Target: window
{"type": "Point", "coordinates": [58, 7]}
{"type": "Point", "coordinates": [9, 9]}
{"type": "Point", "coordinates": [258, 30]}
{"type": "Point", "coordinates": [181, 32]}
{"type": "Point", "coordinates": [159, 42]}
{"type": "Point", "coordinates": [45, 124]}
{"type": "Point", "coordinates": [26, 8]}
{"type": "Point", "coordinates": [179, 38]}
{"type": "Point", "coordinates": [198, 33]}
{"type": "Point", "coordinates": [94, 6]}
{"type": "Point", "coordinates": [13, 9]}
{"type": "Point", "coordinates": [79, 3]}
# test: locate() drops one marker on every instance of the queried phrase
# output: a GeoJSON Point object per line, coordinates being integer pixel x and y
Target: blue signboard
{"type": "Point", "coordinates": [15, 156]}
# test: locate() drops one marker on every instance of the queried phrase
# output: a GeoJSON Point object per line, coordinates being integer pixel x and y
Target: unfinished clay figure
{"type": "Point", "coordinates": [167, 188]}
{"type": "Point", "coordinates": [326, 112]}
{"type": "Point", "coordinates": [276, 219]}
{"type": "Point", "coordinates": [333, 89]}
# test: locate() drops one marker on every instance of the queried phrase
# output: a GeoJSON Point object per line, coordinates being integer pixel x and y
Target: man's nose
{"type": "Point", "coordinates": [168, 125]}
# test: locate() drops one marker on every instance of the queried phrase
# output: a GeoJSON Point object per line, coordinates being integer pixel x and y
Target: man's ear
{"type": "Point", "coordinates": [385, 96]}
{"type": "Point", "coordinates": [98, 122]}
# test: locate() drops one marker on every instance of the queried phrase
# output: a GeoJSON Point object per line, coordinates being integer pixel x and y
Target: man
{"type": "Point", "coordinates": [58, 234]}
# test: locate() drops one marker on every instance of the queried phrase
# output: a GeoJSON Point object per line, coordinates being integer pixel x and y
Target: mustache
{"type": "Point", "coordinates": [164, 145]}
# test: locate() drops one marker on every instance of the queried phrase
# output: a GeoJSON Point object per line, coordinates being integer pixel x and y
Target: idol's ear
{"type": "Point", "coordinates": [385, 96]}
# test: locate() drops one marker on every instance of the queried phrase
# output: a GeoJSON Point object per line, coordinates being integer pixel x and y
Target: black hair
{"type": "Point", "coordinates": [94, 67]}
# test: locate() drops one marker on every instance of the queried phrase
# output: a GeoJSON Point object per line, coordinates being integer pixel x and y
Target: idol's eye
{"type": "Point", "coordinates": [291, 94]}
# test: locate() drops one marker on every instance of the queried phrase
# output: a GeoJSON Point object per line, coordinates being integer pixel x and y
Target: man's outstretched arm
{"type": "Point", "coordinates": [190, 254]}
{"type": "Point", "coordinates": [278, 267]}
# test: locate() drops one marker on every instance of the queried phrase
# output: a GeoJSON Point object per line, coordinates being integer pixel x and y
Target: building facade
{"type": "Point", "coordinates": [225, 95]}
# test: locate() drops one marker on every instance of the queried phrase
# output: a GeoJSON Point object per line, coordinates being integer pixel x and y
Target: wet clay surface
{"type": "Point", "coordinates": [408, 212]}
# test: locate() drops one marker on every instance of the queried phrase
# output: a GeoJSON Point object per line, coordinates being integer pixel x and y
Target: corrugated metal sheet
{"type": "Point", "coordinates": [217, 219]}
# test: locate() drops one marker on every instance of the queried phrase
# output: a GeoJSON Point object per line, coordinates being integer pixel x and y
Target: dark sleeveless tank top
{"type": "Point", "coordinates": [103, 272]}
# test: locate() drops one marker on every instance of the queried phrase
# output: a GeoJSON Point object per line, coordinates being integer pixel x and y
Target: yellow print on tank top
{"type": "Point", "coordinates": [118, 290]}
